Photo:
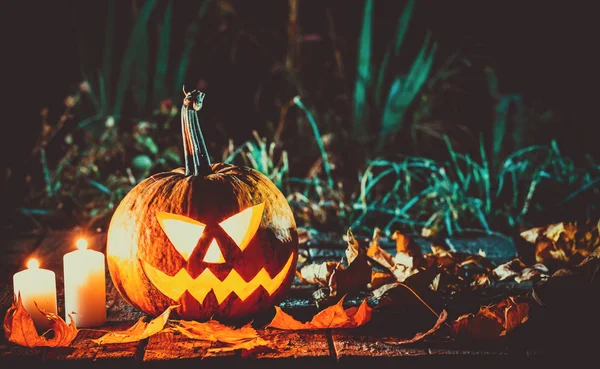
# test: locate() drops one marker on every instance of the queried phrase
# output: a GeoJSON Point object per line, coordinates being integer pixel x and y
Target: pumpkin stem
{"type": "Point", "coordinates": [197, 161]}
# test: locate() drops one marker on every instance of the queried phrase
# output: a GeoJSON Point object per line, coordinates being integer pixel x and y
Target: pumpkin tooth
{"type": "Point", "coordinates": [174, 287]}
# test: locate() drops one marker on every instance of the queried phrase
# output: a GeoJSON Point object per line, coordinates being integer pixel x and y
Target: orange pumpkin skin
{"type": "Point", "coordinates": [139, 250]}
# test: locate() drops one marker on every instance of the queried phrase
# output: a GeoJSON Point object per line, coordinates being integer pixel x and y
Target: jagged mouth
{"type": "Point", "coordinates": [175, 286]}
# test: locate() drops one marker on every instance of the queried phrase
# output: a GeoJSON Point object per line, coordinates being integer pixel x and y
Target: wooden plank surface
{"type": "Point", "coordinates": [301, 344]}
{"type": "Point", "coordinates": [82, 349]}
{"type": "Point", "coordinates": [349, 346]}
{"type": "Point", "coordinates": [377, 350]}
{"type": "Point", "coordinates": [169, 346]}
{"type": "Point", "coordinates": [366, 345]}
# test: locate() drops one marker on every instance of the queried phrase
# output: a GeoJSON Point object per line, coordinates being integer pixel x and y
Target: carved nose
{"type": "Point", "coordinates": [213, 254]}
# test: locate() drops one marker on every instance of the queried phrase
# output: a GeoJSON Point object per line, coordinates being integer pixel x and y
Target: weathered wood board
{"type": "Point", "coordinates": [366, 345]}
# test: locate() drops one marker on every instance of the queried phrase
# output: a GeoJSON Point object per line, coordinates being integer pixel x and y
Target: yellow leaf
{"type": "Point", "coordinates": [332, 317]}
{"type": "Point", "coordinates": [244, 338]}
{"type": "Point", "coordinates": [214, 331]}
{"type": "Point", "coordinates": [359, 315]}
{"type": "Point", "coordinates": [138, 331]}
{"type": "Point", "coordinates": [283, 320]}
{"type": "Point", "coordinates": [19, 328]}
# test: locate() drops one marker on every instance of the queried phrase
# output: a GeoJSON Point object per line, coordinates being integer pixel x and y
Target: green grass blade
{"type": "Point", "coordinates": [485, 174]}
{"type": "Point", "coordinates": [363, 74]}
{"type": "Point", "coordinates": [131, 55]}
{"type": "Point", "coordinates": [159, 85]}
{"type": "Point", "coordinates": [421, 66]}
{"type": "Point", "coordinates": [318, 139]}
{"type": "Point", "coordinates": [403, 91]}
{"type": "Point", "coordinates": [448, 222]}
{"type": "Point", "coordinates": [499, 128]}
{"type": "Point", "coordinates": [453, 156]}
{"type": "Point", "coordinates": [581, 189]}
{"type": "Point", "coordinates": [394, 48]}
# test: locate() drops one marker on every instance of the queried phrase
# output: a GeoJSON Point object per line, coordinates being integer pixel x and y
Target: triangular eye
{"type": "Point", "coordinates": [242, 226]}
{"type": "Point", "coordinates": [183, 232]}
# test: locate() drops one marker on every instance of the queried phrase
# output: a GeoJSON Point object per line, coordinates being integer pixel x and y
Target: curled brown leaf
{"type": "Point", "coordinates": [356, 276]}
{"type": "Point", "coordinates": [318, 273]}
{"type": "Point", "coordinates": [407, 245]}
{"type": "Point", "coordinates": [19, 328]}
{"type": "Point", "coordinates": [492, 321]}
{"type": "Point", "coordinates": [509, 269]}
{"type": "Point", "coordinates": [561, 244]}
{"type": "Point", "coordinates": [379, 255]}
{"type": "Point", "coordinates": [379, 279]}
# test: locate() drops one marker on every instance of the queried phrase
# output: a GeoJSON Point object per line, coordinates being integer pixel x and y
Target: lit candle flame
{"type": "Point", "coordinates": [81, 244]}
{"type": "Point", "coordinates": [33, 264]}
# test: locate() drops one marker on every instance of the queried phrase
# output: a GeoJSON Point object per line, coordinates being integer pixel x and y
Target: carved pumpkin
{"type": "Point", "coordinates": [218, 240]}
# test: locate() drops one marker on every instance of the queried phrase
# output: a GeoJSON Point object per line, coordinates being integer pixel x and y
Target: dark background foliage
{"type": "Point", "coordinates": [543, 51]}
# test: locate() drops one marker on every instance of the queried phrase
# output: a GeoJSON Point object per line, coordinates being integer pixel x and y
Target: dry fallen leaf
{"type": "Point", "coordinates": [244, 338]}
{"type": "Point", "coordinates": [561, 244]}
{"type": "Point", "coordinates": [332, 317]}
{"type": "Point", "coordinates": [572, 290]}
{"type": "Point", "coordinates": [376, 253]}
{"type": "Point", "coordinates": [440, 257]}
{"type": "Point", "coordinates": [402, 272]}
{"type": "Point", "coordinates": [19, 328]}
{"type": "Point", "coordinates": [356, 276]}
{"type": "Point", "coordinates": [353, 249]}
{"type": "Point", "coordinates": [212, 330]}
{"type": "Point", "coordinates": [381, 291]}
{"type": "Point", "coordinates": [400, 265]}
{"type": "Point", "coordinates": [537, 271]}
{"type": "Point", "coordinates": [509, 269]}
{"type": "Point", "coordinates": [138, 331]}
{"type": "Point", "coordinates": [492, 321]}
{"type": "Point", "coordinates": [317, 273]}
{"type": "Point", "coordinates": [230, 339]}
{"type": "Point", "coordinates": [406, 245]}
{"type": "Point", "coordinates": [379, 279]}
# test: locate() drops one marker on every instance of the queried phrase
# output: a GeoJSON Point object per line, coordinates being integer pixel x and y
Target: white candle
{"type": "Point", "coordinates": [37, 287]}
{"type": "Point", "coordinates": [85, 286]}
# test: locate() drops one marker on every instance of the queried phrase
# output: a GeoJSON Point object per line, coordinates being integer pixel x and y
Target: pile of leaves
{"type": "Point", "coordinates": [436, 280]}
{"type": "Point", "coordinates": [462, 283]}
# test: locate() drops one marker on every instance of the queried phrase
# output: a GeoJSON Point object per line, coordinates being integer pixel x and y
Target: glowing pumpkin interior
{"type": "Point", "coordinates": [185, 233]}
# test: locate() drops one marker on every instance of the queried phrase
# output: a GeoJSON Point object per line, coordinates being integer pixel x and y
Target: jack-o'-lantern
{"type": "Point", "coordinates": [218, 240]}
